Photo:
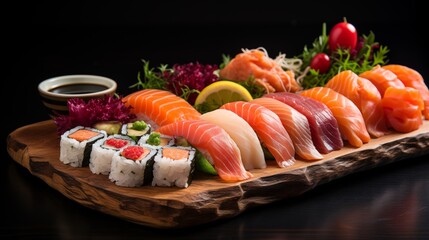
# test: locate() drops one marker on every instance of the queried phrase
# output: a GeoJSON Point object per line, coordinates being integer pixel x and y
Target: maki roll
{"type": "Point", "coordinates": [174, 166]}
{"type": "Point", "coordinates": [76, 145]}
{"type": "Point", "coordinates": [157, 140]}
{"type": "Point", "coordinates": [136, 129]}
{"type": "Point", "coordinates": [132, 166]}
{"type": "Point", "coordinates": [103, 151]}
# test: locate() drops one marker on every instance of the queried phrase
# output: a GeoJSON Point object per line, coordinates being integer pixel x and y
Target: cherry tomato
{"type": "Point", "coordinates": [320, 62]}
{"type": "Point", "coordinates": [343, 35]}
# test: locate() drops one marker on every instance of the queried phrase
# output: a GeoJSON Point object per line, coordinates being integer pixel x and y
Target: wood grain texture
{"type": "Point", "coordinates": [36, 147]}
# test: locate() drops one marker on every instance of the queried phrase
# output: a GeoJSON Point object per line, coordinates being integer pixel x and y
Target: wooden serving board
{"type": "Point", "coordinates": [36, 147]}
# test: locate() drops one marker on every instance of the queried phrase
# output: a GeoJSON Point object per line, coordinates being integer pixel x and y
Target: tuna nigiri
{"type": "Point", "coordinates": [269, 129]}
{"type": "Point", "coordinates": [323, 125]}
{"type": "Point", "coordinates": [403, 108]}
{"type": "Point", "coordinates": [297, 126]}
{"type": "Point", "coordinates": [243, 135]}
{"type": "Point", "coordinates": [382, 79]}
{"type": "Point", "coordinates": [411, 78]}
{"type": "Point", "coordinates": [365, 96]}
{"type": "Point", "coordinates": [159, 107]}
{"type": "Point", "coordinates": [349, 118]}
{"type": "Point", "coordinates": [214, 143]}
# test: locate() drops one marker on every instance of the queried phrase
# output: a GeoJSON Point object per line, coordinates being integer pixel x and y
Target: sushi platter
{"type": "Point", "coordinates": [37, 148]}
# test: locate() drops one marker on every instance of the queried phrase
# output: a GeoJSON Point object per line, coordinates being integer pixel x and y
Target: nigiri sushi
{"type": "Point", "coordinates": [297, 126]}
{"type": "Point", "coordinates": [349, 118]}
{"type": "Point", "coordinates": [411, 78]}
{"type": "Point", "coordinates": [214, 143]}
{"type": "Point", "coordinates": [365, 96]}
{"type": "Point", "coordinates": [243, 135]}
{"type": "Point", "coordinates": [323, 125]}
{"type": "Point", "coordinates": [160, 107]}
{"type": "Point", "coordinates": [382, 78]}
{"type": "Point", "coordinates": [269, 129]}
{"type": "Point", "coordinates": [403, 108]}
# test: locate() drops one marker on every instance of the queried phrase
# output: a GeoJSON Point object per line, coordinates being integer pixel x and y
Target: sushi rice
{"type": "Point", "coordinates": [76, 153]}
{"type": "Point", "coordinates": [102, 154]}
{"type": "Point", "coordinates": [173, 172]}
{"type": "Point", "coordinates": [132, 173]}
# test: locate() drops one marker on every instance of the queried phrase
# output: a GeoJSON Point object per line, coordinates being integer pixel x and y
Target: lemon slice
{"type": "Point", "coordinates": [220, 92]}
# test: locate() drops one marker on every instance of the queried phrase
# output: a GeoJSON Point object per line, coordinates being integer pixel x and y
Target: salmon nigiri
{"type": "Point", "coordinates": [365, 96]}
{"type": "Point", "coordinates": [349, 118]}
{"type": "Point", "coordinates": [382, 78]}
{"type": "Point", "coordinates": [160, 107]}
{"type": "Point", "coordinates": [411, 78]}
{"type": "Point", "coordinates": [214, 143]}
{"type": "Point", "coordinates": [243, 135]}
{"type": "Point", "coordinates": [296, 124]}
{"type": "Point", "coordinates": [323, 125]}
{"type": "Point", "coordinates": [269, 129]}
{"type": "Point", "coordinates": [403, 108]}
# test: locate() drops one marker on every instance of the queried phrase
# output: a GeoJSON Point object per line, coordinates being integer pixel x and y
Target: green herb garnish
{"type": "Point", "coordinates": [154, 139]}
{"type": "Point", "coordinates": [139, 125]}
{"type": "Point", "coordinates": [151, 78]}
{"type": "Point", "coordinates": [367, 55]}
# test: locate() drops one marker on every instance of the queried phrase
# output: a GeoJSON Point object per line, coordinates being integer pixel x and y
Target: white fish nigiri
{"type": "Point", "coordinates": [243, 135]}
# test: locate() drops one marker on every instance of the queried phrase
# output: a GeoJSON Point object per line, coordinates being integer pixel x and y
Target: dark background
{"type": "Point", "coordinates": [110, 38]}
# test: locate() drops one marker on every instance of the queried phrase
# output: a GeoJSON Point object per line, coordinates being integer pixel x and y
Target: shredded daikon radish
{"type": "Point", "coordinates": [293, 64]}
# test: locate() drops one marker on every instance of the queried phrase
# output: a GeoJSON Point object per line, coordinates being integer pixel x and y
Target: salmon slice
{"type": "Point", "coordinates": [175, 153]}
{"type": "Point", "coordinates": [382, 78]}
{"type": "Point", "coordinates": [323, 125]}
{"type": "Point", "coordinates": [297, 126]}
{"type": "Point", "coordinates": [267, 72]}
{"type": "Point", "coordinates": [269, 129]}
{"type": "Point", "coordinates": [350, 120]}
{"type": "Point", "coordinates": [411, 78]}
{"type": "Point", "coordinates": [214, 143]}
{"type": "Point", "coordinates": [365, 95]}
{"type": "Point", "coordinates": [83, 135]}
{"type": "Point", "coordinates": [159, 107]}
{"type": "Point", "coordinates": [403, 108]}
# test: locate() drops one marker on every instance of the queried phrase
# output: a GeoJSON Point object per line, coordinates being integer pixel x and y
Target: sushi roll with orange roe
{"type": "Point", "coordinates": [132, 166]}
{"type": "Point", "coordinates": [174, 166]}
{"type": "Point", "coordinates": [76, 145]}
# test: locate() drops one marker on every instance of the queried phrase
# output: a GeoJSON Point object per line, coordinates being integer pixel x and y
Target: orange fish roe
{"type": "Point", "coordinates": [83, 134]}
{"type": "Point", "coordinates": [175, 153]}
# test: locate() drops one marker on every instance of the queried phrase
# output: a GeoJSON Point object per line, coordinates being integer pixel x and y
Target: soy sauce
{"type": "Point", "coordinates": [79, 88]}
